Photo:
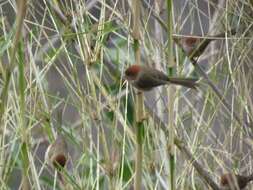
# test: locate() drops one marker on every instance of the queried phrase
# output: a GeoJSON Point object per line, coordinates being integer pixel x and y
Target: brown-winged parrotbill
{"type": "Point", "coordinates": [145, 78]}
{"type": "Point", "coordinates": [195, 46]}
{"type": "Point", "coordinates": [57, 153]}
{"type": "Point", "coordinates": [230, 181]}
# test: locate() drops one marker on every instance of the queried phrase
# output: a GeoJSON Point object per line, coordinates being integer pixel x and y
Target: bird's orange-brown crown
{"type": "Point", "coordinates": [59, 160]}
{"type": "Point", "coordinates": [132, 71]}
{"type": "Point", "coordinates": [190, 41]}
{"type": "Point", "coordinates": [226, 179]}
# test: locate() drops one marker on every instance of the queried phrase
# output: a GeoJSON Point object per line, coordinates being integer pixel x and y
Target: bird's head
{"type": "Point", "coordinates": [59, 161]}
{"type": "Point", "coordinates": [229, 179]}
{"type": "Point", "coordinates": [191, 41]}
{"type": "Point", "coordinates": [132, 72]}
{"type": "Point", "coordinates": [224, 180]}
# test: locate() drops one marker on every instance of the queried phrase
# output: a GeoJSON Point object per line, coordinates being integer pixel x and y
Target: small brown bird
{"type": "Point", "coordinates": [194, 46]}
{"type": "Point", "coordinates": [146, 78]}
{"type": "Point", "coordinates": [57, 153]}
{"type": "Point", "coordinates": [232, 181]}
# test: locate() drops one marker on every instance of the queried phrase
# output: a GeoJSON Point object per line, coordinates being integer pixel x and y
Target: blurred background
{"type": "Point", "coordinates": [74, 54]}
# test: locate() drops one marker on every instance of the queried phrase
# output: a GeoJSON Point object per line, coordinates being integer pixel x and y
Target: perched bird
{"type": "Point", "coordinates": [232, 181]}
{"type": "Point", "coordinates": [194, 46]}
{"type": "Point", "coordinates": [146, 78]}
{"type": "Point", "coordinates": [57, 153]}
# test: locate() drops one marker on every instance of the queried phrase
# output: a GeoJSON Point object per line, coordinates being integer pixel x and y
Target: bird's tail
{"type": "Point", "coordinates": [186, 82]}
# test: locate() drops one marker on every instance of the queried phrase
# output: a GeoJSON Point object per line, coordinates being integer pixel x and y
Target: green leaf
{"type": "Point", "coordinates": [127, 171]}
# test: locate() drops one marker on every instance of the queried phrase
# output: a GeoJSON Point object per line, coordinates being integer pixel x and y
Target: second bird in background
{"type": "Point", "coordinates": [232, 181]}
{"type": "Point", "coordinates": [195, 46]}
{"type": "Point", "coordinates": [57, 153]}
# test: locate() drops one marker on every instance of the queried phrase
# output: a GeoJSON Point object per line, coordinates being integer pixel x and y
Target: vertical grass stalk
{"type": "Point", "coordinates": [171, 98]}
{"type": "Point", "coordinates": [24, 135]}
{"type": "Point", "coordinates": [139, 109]}
{"type": "Point", "coordinates": [21, 12]}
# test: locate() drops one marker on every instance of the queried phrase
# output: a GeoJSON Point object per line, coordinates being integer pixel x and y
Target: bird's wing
{"type": "Point", "coordinates": [160, 76]}
{"type": "Point", "coordinates": [148, 81]}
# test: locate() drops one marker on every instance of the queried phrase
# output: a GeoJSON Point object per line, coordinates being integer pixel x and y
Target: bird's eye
{"type": "Point", "coordinates": [128, 73]}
